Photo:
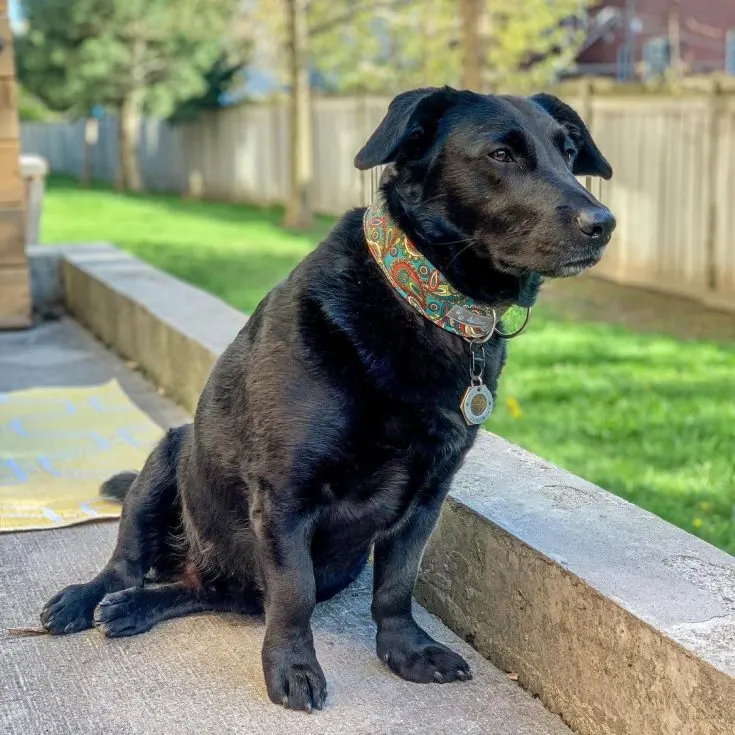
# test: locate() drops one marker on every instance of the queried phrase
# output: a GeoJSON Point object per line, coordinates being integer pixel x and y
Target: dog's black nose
{"type": "Point", "coordinates": [596, 222]}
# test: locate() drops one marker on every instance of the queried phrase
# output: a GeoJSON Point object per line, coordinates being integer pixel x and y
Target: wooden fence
{"type": "Point", "coordinates": [238, 154]}
{"type": "Point", "coordinates": [673, 191]}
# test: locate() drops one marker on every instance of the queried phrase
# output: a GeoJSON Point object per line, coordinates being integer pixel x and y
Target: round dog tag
{"type": "Point", "coordinates": [477, 404]}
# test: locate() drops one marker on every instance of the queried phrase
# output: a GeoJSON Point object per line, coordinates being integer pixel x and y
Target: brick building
{"type": "Point", "coordinates": [633, 38]}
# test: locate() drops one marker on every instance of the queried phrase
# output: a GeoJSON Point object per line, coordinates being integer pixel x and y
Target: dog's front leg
{"type": "Point", "coordinates": [293, 675]}
{"type": "Point", "coordinates": [409, 650]}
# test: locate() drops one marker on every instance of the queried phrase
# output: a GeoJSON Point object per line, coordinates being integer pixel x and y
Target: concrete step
{"type": "Point", "coordinates": [201, 674]}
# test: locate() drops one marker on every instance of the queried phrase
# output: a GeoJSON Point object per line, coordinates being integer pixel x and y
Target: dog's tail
{"type": "Point", "coordinates": [116, 488]}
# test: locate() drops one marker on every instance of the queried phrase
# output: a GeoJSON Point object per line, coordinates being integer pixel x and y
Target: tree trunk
{"type": "Point", "coordinates": [298, 208]}
{"type": "Point", "coordinates": [130, 118]}
{"type": "Point", "coordinates": [128, 173]}
{"type": "Point", "coordinates": [472, 60]}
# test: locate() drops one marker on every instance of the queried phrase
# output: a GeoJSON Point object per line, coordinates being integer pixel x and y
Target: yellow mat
{"type": "Point", "coordinates": [56, 447]}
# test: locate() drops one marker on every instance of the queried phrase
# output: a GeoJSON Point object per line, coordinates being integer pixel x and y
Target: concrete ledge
{"type": "Point", "coordinates": [620, 622]}
{"type": "Point", "coordinates": [171, 330]}
{"type": "Point", "coordinates": [47, 290]}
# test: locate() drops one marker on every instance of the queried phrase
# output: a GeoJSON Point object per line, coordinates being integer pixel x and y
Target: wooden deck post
{"type": "Point", "coordinates": [15, 300]}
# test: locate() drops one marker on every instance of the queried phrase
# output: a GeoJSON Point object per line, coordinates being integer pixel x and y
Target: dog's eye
{"type": "Point", "coordinates": [501, 154]}
{"type": "Point", "coordinates": [569, 154]}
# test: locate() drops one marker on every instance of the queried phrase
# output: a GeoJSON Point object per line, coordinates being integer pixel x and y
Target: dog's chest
{"type": "Point", "coordinates": [391, 464]}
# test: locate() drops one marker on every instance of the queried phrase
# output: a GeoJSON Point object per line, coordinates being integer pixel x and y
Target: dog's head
{"type": "Point", "coordinates": [489, 181]}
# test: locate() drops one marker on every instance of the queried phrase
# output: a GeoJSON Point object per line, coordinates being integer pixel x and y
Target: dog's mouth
{"type": "Point", "coordinates": [574, 268]}
{"type": "Point", "coordinates": [576, 264]}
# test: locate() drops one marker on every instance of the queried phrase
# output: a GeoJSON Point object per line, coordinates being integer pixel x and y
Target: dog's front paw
{"type": "Point", "coordinates": [294, 678]}
{"type": "Point", "coordinates": [71, 610]}
{"type": "Point", "coordinates": [121, 614]}
{"type": "Point", "coordinates": [414, 655]}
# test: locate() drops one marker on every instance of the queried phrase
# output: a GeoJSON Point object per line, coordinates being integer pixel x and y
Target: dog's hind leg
{"type": "Point", "coordinates": [138, 609]}
{"type": "Point", "coordinates": [143, 526]}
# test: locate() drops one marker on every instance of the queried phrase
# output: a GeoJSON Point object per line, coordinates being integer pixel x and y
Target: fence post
{"type": "Point", "coordinates": [713, 135]}
{"type": "Point", "coordinates": [365, 193]}
{"type": "Point", "coordinates": [91, 136]}
{"type": "Point", "coordinates": [587, 90]}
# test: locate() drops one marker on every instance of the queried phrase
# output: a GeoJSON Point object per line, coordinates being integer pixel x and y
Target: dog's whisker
{"type": "Point", "coordinates": [466, 247]}
{"type": "Point", "coordinates": [434, 198]}
{"type": "Point", "coordinates": [455, 242]}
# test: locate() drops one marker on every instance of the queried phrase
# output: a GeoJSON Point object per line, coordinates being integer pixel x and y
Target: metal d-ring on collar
{"type": "Point", "coordinates": [477, 362]}
{"type": "Point", "coordinates": [518, 331]}
{"type": "Point", "coordinates": [497, 333]}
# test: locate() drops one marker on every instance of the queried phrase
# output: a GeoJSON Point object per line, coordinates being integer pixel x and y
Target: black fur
{"type": "Point", "coordinates": [331, 425]}
{"type": "Point", "coordinates": [116, 488]}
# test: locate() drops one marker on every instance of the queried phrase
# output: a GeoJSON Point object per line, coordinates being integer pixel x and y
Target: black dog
{"type": "Point", "coordinates": [331, 425]}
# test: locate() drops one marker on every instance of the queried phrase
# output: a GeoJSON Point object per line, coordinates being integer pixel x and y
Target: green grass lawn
{"type": "Point", "coordinates": [234, 251]}
{"type": "Point", "coordinates": [646, 416]}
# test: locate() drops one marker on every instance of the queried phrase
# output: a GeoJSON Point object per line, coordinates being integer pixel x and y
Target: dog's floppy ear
{"type": "Point", "coordinates": [408, 126]}
{"type": "Point", "coordinates": [589, 161]}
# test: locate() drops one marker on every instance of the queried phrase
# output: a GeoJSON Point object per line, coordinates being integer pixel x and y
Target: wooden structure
{"type": "Point", "coordinates": [15, 300]}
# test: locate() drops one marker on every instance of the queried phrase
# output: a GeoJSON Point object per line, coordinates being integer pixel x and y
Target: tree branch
{"type": "Point", "coordinates": [153, 67]}
{"type": "Point", "coordinates": [353, 12]}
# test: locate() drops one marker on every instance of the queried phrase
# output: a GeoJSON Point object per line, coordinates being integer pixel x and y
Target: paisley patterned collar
{"type": "Point", "coordinates": [421, 284]}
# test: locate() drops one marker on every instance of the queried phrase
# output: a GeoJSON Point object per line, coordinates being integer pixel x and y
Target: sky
{"type": "Point", "coordinates": [15, 12]}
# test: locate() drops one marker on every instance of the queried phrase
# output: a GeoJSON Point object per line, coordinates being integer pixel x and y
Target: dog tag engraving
{"type": "Point", "coordinates": [477, 404]}
{"type": "Point", "coordinates": [472, 319]}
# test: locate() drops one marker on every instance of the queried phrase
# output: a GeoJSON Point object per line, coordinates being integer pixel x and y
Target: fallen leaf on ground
{"type": "Point", "coordinates": [24, 632]}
